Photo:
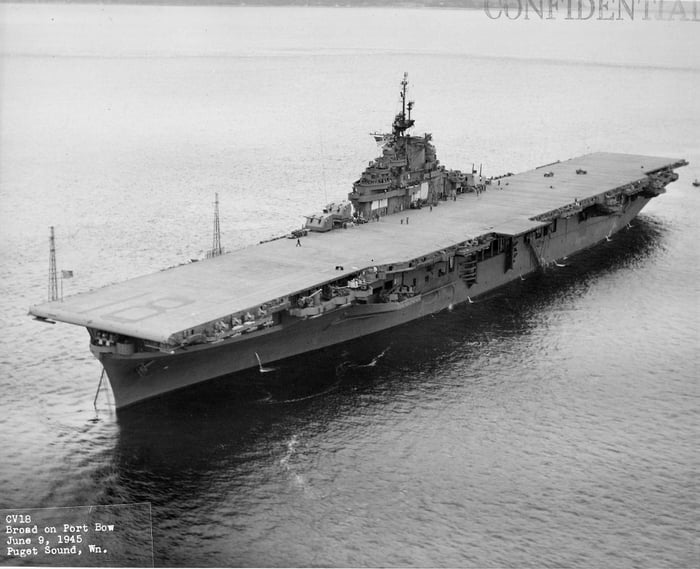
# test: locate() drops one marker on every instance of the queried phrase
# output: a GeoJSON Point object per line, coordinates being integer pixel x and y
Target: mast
{"type": "Point", "coordinates": [53, 277]}
{"type": "Point", "coordinates": [404, 83]}
{"type": "Point", "coordinates": [401, 122]}
{"type": "Point", "coordinates": [216, 241]}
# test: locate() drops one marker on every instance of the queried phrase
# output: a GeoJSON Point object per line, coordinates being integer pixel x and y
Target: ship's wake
{"type": "Point", "coordinates": [345, 366]}
{"type": "Point", "coordinates": [291, 448]}
{"type": "Point", "coordinates": [295, 477]}
{"type": "Point", "coordinates": [284, 461]}
{"type": "Point", "coordinates": [270, 400]}
{"type": "Point", "coordinates": [339, 374]}
{"type": "Point", "coordinates": [262, 368]}
{"type": "Point", "coordinates": [376, 359]}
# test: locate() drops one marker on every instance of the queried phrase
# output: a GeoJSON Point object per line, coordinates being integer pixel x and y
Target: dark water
{"type": "Point", "coordinates": [553, 424]}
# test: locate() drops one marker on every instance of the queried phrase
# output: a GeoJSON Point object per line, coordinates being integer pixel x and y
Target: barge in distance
{"type": "Point", "coordinates": [413, 238]}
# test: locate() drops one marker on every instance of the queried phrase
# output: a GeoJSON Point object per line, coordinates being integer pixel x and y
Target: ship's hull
{"type": "Point", "coordinates": [145, 375]}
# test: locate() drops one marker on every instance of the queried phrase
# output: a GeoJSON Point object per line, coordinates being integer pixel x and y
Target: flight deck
{"type": "Point", "coordinates": [157, 306]}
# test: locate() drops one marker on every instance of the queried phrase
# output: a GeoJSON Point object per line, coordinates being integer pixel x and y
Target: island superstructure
{"type": "Point", "coordinates": [413, 238]}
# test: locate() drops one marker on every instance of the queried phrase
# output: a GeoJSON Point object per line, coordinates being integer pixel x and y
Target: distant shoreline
{"type": "Point", "coordinates": [451, 4]}
{"type": "Point", "coordinates": [575, 10]}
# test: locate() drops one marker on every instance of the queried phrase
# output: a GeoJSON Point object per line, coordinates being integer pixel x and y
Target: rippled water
{"type": "Point", "coordinates": [552, 424]}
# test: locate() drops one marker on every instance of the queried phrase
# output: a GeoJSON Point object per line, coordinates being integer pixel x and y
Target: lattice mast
{"type": "Point", "coordinates": [216, 240]}
{"type": "Point", "coordinates": [53, 277]}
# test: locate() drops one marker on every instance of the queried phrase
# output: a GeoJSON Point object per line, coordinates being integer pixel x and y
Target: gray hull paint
{"type": "Point", "coordinates": [160, 373]}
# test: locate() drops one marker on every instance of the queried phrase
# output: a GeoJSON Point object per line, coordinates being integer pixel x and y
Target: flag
{"type": "Point", "coordinates": [66, 274]}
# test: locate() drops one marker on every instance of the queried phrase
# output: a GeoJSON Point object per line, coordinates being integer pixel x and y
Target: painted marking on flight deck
{"type": "Point", "coordinates": [148, 310]}
{"type": "Point", "coordinates": [112, 303]}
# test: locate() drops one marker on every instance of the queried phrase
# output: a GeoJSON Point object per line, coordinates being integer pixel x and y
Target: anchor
{"type": "Point", "coordinates": [142, 369]}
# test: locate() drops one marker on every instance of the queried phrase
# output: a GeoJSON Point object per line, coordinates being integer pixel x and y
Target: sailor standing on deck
{"type": "Point", "coordinates": [298, 242]}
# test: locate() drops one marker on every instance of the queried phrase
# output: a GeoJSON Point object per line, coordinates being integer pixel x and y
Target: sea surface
{"type": "Point", "coordinates": [554, 424]}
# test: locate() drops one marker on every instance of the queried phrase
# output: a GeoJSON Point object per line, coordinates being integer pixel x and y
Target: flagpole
{"type": "Point", "coordinates": [53, 285]}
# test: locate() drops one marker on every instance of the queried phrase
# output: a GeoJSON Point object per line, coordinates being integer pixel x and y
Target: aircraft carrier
{"type": "Point", "coordinates": [412, 239]}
